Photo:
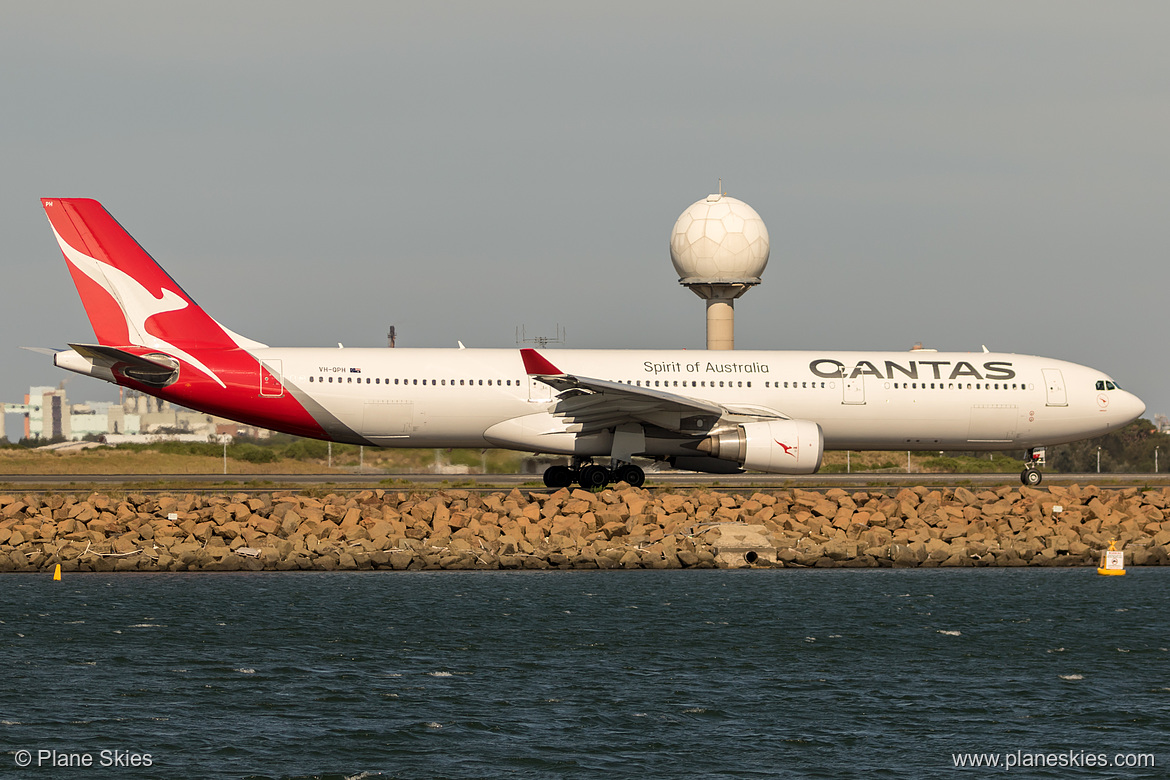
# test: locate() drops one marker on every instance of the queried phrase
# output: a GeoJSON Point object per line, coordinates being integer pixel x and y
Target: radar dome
{"type": "Point", "coordinates": [719, 240]}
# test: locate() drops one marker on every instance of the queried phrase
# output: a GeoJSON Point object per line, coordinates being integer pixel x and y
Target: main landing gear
{"type": "Point", "coordinates": [1031, 475]}
{"type": "Point", "coordinates": [591, 476]}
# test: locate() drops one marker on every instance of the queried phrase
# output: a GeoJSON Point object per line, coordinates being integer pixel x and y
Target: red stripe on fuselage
{"type": "Point", "coordinates": [240, 400]}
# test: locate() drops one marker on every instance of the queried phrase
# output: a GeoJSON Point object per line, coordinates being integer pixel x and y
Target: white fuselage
{"type": "Point", "coordinates": [917, 400]}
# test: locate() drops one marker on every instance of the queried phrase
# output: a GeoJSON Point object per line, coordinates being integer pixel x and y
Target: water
{"type": "Point", "coordinates": [811, 673]}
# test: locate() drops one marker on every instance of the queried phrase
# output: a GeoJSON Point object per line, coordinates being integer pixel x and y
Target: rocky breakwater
{"type": "Point", "coordinates": [623, 528]}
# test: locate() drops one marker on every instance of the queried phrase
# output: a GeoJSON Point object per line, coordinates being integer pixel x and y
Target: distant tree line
{"type": "Point", "coordinates": [1129, 450]}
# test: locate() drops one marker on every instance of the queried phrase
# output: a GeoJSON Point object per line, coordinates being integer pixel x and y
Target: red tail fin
{"type": "Point", "coordinates": [128, 297]}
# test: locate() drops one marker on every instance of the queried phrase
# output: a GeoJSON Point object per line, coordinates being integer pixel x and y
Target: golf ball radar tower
{"type": "Point", "coordinates": [719, 247]}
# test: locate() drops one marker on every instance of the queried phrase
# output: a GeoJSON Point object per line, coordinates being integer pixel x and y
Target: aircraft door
{"type": "Point", "coordinates": [1054, 386]}
{"type": "Point", "coordinates": [853, 390]}
{"type": "Point", "coordinates": [270, 379]}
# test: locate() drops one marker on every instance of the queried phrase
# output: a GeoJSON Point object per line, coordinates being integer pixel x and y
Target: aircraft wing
{"type": "Point", "coordinates": [600, 404]}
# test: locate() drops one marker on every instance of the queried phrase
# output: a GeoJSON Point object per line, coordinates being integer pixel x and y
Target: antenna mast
{"type": "Point", "coordinates": [540, 341]}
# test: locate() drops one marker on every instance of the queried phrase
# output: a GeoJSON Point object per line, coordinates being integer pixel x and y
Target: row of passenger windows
{"type": "Point", "coordinates": [349, 380]}
{"type": "Point", "coordinates": [685, 383]}
{"type": "Point", "coordinates": [959, 386]}
{"type": "Point", "coordinates": [688, 383]}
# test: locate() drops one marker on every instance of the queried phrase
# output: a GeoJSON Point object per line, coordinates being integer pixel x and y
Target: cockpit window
{"type": "Point", "coordinates": [1100, 384]}
{"type": "Point", "coordinates": [1107, 384]}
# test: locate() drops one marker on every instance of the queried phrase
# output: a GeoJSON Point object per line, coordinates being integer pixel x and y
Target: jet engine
{"type": "Point", "coordinates": [778, 447]}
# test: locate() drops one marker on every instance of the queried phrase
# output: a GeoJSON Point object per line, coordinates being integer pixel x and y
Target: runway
{"type": "Point", "coordinates": [486, 481]}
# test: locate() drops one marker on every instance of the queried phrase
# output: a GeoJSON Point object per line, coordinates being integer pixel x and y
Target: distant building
{"type": "Point", "coordinates": [138, 417]}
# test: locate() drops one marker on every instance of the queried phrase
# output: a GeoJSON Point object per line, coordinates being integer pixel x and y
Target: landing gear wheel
{"type": "Point", "coordinates": [631, 474]}
{"type": "Point", "coordinates": [1031, 477]}
{"type": "Point", "coordinates": [594, 477]}
{"type": "Point", "coordinates": [558, 477]}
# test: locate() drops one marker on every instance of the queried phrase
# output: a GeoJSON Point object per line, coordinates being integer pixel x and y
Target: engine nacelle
{"type": "Point", "coordinates": [780, 447]}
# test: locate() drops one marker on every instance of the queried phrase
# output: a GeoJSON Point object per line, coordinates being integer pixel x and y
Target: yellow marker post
{"type": "Point", "coordinates": [57, 573]}
{"type": "Point", "coordinates": [1112, 561]}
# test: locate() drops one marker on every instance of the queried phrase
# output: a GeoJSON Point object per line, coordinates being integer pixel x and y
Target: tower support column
{"type": "Point", "coordinates": [721, 323]}
{"type": "Point", "coordinates": [720, 298]}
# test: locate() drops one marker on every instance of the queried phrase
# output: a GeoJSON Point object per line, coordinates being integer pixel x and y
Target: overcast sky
{"type": "Point", "coordinates": [952, 173]}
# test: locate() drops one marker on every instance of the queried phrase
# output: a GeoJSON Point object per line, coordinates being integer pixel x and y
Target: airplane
{"type": "Point", "coordinates": [710, 411]}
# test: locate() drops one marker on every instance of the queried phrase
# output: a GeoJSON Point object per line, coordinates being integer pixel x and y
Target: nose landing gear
{"type": "Point", "coordinates": [1031, 475]}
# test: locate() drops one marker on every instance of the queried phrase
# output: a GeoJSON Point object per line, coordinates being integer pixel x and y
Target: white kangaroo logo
{"type": "Point", "coordinates": [138, 304]}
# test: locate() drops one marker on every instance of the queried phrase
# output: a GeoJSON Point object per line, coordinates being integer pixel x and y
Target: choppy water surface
{"type": "Point", "coordinates": [538, 674]}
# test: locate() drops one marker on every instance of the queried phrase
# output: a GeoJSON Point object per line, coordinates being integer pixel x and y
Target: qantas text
{"type": "Point", "coordinates": [827, 368]}
{"type": "Point", "coordinates": [835, 369]}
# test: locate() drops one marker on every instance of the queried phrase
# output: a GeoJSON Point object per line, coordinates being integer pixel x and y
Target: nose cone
{"type": "Point", "coordinates": [1130, 407]}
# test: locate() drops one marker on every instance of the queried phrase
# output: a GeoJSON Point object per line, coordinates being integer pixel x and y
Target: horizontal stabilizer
{"type": "Point", "coordinates": [98, 361]}
{"type": "Point", "coordinates": [112, 355]}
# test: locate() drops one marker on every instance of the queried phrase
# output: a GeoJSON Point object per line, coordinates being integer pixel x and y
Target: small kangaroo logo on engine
{"type": "Point", "coordinates": [787, 449]}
